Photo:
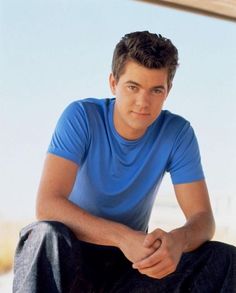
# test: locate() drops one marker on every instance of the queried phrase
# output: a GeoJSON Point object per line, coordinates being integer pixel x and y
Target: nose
{"type": "Point", "coordinates": [142, 100]}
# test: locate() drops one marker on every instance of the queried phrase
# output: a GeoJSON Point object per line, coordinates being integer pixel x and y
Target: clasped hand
{"type": "Point", "coordinates": [164, 254]}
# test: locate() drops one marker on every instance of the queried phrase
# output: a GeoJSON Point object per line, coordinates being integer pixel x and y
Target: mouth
{"type": "Point", "coordinates": [140, 114]}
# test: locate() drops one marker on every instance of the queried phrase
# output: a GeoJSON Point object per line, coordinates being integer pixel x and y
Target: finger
{"type": "Point", "coordinates": [159, 270]}
{"type": "Point", "coordinates": [148, 262]}
{"type": "Point", "coordinates": [159, 275]}
{"type": "Point", "coordinates": [157, 244]}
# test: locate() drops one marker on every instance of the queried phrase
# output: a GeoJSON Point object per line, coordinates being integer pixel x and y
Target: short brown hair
{"type": "Point", "coordinates": [147, 49]}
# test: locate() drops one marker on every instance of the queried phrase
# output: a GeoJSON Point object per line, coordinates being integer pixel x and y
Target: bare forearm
{"type": "Point", "coordinates": [197, 230]}
{"type": "Point", "coordinates": [52, 204]}
{"type": "Point", "coordinates": [95, 229]}
{"type": "Point", "coordinates": [85, 226]}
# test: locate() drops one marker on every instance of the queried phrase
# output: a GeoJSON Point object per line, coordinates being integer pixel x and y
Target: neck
{"type": "Point", "coordinates": [124, 130]}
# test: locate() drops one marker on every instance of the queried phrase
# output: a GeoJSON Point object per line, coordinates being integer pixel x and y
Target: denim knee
{"type": "Point", "coordinates": [43, 229]}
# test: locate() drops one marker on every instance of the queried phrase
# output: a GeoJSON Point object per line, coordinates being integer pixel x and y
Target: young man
{"type": "Point", "coordinates": [104, 165]}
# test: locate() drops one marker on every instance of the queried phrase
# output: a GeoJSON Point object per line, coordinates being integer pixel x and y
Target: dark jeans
{"type": "Point", "coordinates": [50, 259]}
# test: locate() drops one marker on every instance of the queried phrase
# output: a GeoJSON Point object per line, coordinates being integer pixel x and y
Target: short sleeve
{"type": "Point", "coordinates": [71, 137]}
{"type": "Point", "coordinates": [185, 161]}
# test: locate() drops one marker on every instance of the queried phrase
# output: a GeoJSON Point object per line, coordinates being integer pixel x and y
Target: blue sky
{"type": "Point", "coordinates": [53, 52]}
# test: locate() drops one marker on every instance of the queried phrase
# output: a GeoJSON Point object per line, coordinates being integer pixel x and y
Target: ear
{"type": "Point", "coordinates": [112, 83]}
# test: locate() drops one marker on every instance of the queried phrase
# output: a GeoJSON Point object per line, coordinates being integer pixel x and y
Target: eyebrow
{"type": "Point", "coordinates": [133, 82]}
{"type": "Point", "coordinates": [137, 84]}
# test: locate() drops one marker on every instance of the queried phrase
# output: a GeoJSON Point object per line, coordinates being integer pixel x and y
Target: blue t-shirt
{"type": "Point", "coordinates": [118, 179]}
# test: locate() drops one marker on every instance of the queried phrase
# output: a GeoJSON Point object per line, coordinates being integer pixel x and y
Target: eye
{"type": "Point", "coordinates": [132, 88]}
{"type": "Point", "coordinates": [157, 91]}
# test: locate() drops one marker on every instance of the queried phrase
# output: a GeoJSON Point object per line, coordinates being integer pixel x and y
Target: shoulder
{"type": "Point", "coordinates": [90, 103]}
{"type": "Point", "coordinates": [88, 106]}
{"type": "Point", "coordinates": [173, 123]}
{"type": "Point", "coordinates": [174, 119]}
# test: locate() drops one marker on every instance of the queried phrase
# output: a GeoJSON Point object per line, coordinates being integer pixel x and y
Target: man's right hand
{"type": "Point", "coordinates": [133, 246]}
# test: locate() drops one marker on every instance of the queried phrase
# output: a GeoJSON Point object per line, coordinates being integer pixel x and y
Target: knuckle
{"type": "Point", "coordinates": [151, 237]}
{"type": "Point", "coordinates": [158, 276]}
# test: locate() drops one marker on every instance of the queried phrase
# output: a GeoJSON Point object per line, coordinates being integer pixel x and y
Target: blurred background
{"type": "Point", "coordinates": [55, 51]}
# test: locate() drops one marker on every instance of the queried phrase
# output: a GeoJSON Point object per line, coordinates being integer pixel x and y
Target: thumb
{"type": "Point", "coordinates": [151, 238]}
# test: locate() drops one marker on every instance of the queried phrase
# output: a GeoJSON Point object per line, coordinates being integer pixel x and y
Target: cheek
{"type": "Point", "coordinates": [157, 107]}
{"type": "Point", "coordinates": [124, 100]}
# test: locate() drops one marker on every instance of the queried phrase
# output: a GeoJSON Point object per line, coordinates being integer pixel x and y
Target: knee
{"type": "Point", "coordinates": [221, 249]}
{"type": "Point", "coordinates": [220, 246]}
{"type": "Point", "coordinates": [50, 227]}
{"type": "Point", "coordinates": [46, 229]}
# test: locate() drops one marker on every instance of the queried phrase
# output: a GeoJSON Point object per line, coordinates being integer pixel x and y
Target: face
{"type": "Point", "coordinates": [140, 94]}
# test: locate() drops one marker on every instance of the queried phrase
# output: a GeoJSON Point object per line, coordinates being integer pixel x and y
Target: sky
{"type": "Point", "coordinates": [55, 51]}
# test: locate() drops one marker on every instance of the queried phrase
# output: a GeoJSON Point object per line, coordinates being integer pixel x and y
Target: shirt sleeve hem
{"type": "Point", "coordinates": [187, 180]}
{"type": "Point", "coordinates": [65, 155]}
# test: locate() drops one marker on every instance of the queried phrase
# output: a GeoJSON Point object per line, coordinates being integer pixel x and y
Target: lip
{"type": "Point", "coordinates": [141, 114]}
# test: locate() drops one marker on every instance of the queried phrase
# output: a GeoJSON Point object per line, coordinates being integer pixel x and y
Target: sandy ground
{"type": "Point", "coordinates": [9, 233]}
{"type": "Point", "coordinates": [6, 282]}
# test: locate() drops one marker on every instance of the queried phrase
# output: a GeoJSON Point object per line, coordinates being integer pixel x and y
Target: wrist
{"type": "Point", "coordinates": [180, 237]}
{"type": "Point", "coordinates": [121, 235]}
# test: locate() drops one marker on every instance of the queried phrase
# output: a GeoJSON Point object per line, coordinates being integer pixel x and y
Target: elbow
{"type": "Point", "coordinates": [213, 227]}
{"type": "Point", "coordinates": [48, 207]}
{"type": "Point", "coordinates": [41, 211]}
